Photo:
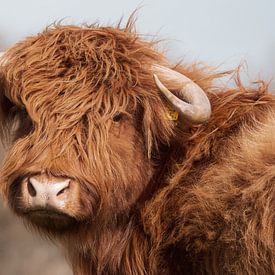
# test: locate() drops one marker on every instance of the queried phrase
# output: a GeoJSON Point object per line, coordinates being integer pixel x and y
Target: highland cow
{"type": "Point", "coordinates": [97, 163]}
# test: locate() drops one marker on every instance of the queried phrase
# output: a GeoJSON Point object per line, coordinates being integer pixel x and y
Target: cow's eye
{"type": "Point", "coordinates": [25, 124]}
{"type": "Point", "coordinates": [24, 112]}
{"type": "Point", "coordinates": [117, 117]}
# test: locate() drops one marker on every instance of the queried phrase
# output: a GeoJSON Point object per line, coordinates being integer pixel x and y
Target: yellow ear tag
{"type": "Point", "coordinates": [173, 115]}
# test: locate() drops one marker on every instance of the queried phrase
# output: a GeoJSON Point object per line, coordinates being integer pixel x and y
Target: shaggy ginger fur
{"type": "Point", "coordinates": [152, 198]}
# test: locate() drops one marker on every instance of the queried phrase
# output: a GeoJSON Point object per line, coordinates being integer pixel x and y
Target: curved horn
{"type": "Point", "coordinates": [192, 103]}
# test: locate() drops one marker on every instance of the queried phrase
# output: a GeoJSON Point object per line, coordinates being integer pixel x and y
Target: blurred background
{"type": "Point", "coordinates": [220, 33]}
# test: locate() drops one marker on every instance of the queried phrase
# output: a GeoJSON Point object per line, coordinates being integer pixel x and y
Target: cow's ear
{"type": "Point", "coordinates": [157, 128]}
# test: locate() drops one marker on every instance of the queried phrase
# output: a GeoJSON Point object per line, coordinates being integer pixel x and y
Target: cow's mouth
{"type": "Point", "coordinates": [49, 219]}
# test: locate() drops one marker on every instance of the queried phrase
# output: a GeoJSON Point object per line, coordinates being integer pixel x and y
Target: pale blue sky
{"type": "Point", "coordinates": [212, 31]}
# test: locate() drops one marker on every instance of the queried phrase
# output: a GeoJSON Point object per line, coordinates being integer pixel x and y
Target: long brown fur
{"type": "Point", "coordinates": [153, 198]}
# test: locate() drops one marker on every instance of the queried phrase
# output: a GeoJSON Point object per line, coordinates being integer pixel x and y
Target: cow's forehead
{"type": "Point", "coordinates": [69, 65]}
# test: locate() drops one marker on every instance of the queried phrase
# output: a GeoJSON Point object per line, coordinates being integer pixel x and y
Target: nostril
{"type": "Point", "coordinates": [63, 190]}
{"type": "Point", "coordinates": [31, 189]}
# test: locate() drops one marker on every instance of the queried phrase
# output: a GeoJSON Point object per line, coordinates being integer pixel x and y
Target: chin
{"type": "Point", "coordinates": [49, 220]}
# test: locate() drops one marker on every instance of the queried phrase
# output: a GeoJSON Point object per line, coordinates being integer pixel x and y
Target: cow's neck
{"type": "Point", "coordinates": [122, 249]}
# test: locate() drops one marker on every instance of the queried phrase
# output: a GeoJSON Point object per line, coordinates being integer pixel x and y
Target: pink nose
{"type": "Point", "coordinates": [43, 192]}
